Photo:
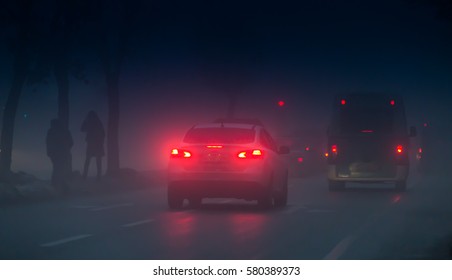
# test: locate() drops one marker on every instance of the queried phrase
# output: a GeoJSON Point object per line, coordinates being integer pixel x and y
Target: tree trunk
{"type": "Point", "coordinates": [9, 115]}
{"type": "Point", "coordinates": [62, 79]}
{"type": "Point", "coordinates": [113, 123]}
{"type": "Point", "coordinates": [61, 76]}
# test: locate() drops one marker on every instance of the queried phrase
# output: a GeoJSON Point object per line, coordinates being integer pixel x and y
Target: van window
{"type": "Point", "coordinates": [373, 119]}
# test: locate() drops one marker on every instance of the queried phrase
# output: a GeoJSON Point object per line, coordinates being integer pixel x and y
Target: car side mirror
{"type": "Point", "coordinates": [413, 132]}
{"type": "Point", "coordinates": [284, 150]}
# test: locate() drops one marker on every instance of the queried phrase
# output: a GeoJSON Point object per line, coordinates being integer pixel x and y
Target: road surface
{"type": "Point", "coordinates": [360, 223]}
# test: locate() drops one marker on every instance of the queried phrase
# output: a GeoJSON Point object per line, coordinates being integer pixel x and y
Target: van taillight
{"type": "Point", "coordinates": [334, 149]}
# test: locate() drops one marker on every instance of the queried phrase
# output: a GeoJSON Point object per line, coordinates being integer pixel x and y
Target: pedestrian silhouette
{"type": "Point", "coordinates": [95, 135]}
{"type": "Point", "coordinates": [59, 143]}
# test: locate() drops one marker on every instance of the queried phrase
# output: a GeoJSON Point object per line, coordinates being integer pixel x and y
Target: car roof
{"type": "Point", "coordinates": [226, 125]}
{"type": "Point", "coordinates": [239, 120]}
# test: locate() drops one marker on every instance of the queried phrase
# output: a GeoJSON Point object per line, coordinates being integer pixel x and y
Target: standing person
{"type": "Point", "coordinates": [95, 136]}
{"type": "Point", "coordinates": [59, 143]}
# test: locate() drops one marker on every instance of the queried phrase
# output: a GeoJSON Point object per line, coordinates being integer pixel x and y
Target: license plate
{"type": "Point", "coordinates": [364, 167]}
{"type": "Point", "coordinates": [214, 157]}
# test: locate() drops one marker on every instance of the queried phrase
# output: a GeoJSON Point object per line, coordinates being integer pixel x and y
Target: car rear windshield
{"type": "Point", "coordinates": [220, 135]}
{"type": "Point", "coordinates": [357, 120]}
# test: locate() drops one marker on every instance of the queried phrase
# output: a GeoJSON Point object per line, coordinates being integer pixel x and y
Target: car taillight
{"type": "Point", "coordinates": [178, 153]}
{"type": "Point", "coordinates": [399, 149]}
{"type": "Point", "coordinates": [256, 153]}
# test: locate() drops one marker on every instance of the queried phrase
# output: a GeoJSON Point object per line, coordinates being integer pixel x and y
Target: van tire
{"type": "Point", "coordinates": [335, 186]}
{"type": "Point", "coordinates": [400, 186]}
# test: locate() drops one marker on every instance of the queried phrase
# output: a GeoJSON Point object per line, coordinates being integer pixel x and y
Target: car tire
{"type": "Point", "coordinates": [400, 186]}
{"type": "Point", "coordinates": [195, 202]}
{"type": "Point", "coordinates": [280, 198]}
{"type": "Point", "coordinates": [175, 200]}
{"type": "Point", "coordinates": [265, 202]}
{"type": "Point", "coordinates": [335, 186]}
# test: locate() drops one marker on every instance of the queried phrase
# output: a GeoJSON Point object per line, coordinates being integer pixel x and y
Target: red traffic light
{"type": "Point", "coordinates": [281, 103]}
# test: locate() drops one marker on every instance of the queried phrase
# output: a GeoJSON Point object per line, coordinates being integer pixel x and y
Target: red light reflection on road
{"type": "Point", "coordinates": [178, 231]}
{"type": "Point", "coordinates": [247, 228]}
{"type": "Point", "coordinates": [396, 198]}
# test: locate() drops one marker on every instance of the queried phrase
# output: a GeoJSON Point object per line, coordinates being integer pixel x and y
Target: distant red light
{"type": "Point", "coordinates": [281, 103]}
{"type": "Point", "coordinates": [420, 150]}
{"type": "Point", "coordinates": [425, 125]}
{"type": "Point", "coordinates": [307, 148]}
{"type": "Point", "coordinates": [334, 149]}
{"type": "Point", "coordinates": [300, 159]}
{"type": "Point", "coordinates": [399, 149]}
{"type": "Point", "coordinates": [343, 102]}
{"type": "Point", "coordinates": [392, 102]}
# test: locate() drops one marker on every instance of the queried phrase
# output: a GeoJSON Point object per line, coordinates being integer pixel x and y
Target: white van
{"type": "Point", "coordinates": [368, 141]}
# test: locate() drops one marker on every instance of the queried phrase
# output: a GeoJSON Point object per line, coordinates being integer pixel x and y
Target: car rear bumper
{"type": "Point", "coordinates": [217, 189]}
{"type": "Point", "coordinates": [247, 184]}
{"type": "Point", "coordinates": [257, 174]}
{"type": "Point", "coordinates": [400, 174]}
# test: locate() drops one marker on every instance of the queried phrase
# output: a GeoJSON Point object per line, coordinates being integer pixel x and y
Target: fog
{"type": "Point", "coordinates": [181, 71]}
{"type": "Point", "coordinates": [156, 119]}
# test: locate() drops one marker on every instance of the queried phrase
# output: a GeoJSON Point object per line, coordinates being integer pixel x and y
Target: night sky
{"type": "Point", "coordinates": [185, 57]}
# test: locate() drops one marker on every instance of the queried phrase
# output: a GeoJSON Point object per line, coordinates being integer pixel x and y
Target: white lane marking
{"type": "Point", "coordinates": [112, 207]}
{"type": "Point", "coordinates": [82, 206]}
{"type": "Point", "coordinates": [294, 209]}
{"type": "Point", "coordinates": [340, 248]}
{"type": "Point", "coordinates": [226, 201]}
{"type": "Point", "coordinates": [320, 211]}
{"type": "Point", "coordinates": [137, 223]}
{"type": "Point", "coordinates": [65, 240]}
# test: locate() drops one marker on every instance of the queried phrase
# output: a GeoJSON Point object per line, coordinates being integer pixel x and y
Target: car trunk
{"type": "Point", "coordinates": [215, 159]}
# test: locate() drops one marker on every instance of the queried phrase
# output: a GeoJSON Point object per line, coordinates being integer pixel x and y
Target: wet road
{"type": "Point", "coordinates": [360, 223]}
